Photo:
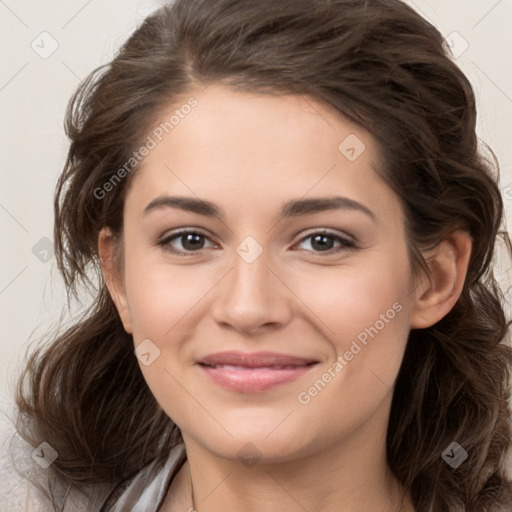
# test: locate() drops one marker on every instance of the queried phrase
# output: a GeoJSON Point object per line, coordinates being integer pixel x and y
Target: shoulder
{"type": "Point", "coordinates": [19, 488]}
{"type": "Point", "coordinates": [148, 488]}
{"type": "Point", "coordinates": [28, 483]}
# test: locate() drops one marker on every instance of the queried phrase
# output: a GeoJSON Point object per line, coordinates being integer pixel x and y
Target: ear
{"type": "Point", "coordinates": [113, 275]}
{"type": "Point", "coordinates": [436, 295]}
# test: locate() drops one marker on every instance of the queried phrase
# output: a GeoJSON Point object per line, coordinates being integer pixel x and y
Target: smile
{"type": "Point", "coordinates": [253, 373]}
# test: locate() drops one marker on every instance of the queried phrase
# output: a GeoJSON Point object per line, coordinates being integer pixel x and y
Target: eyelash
{"type": "Point", "coordinates": [346, 244]}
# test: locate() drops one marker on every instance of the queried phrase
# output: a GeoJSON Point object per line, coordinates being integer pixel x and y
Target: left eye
{"type": "Point", "coordinates": [324, 242]}
{"type": "Point", "coordinates": [193, 241]}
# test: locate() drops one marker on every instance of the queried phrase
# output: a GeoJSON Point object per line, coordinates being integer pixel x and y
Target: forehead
{"type": "Point", "coordinates": [257, 148]}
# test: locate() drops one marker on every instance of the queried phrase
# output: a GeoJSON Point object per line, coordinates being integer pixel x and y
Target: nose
{"type": "Point", "coordinates": [252, 297]}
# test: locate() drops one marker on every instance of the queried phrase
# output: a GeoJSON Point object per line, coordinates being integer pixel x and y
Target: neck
{"type": "Point", "coordinates": [352, 472]}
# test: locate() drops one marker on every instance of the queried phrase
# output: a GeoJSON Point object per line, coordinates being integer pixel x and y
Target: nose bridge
{"type": "Point", "coordinates": [250, 273]}
{"type": "Point", "coordinates": [251, 295]}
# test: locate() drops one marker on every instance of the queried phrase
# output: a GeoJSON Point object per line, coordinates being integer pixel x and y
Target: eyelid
{"type": "Point", "coordinates": [327, 231]}
{"type": "Point", "coordinates": [165, 240]}
{"type": "Point", "coordinates": [347, 241]}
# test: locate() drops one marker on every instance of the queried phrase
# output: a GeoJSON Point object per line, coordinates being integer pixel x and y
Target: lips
{"type": "Point", "coordinates": [254, 372]}
{"type": "Point", "coordinates": [255, 360]}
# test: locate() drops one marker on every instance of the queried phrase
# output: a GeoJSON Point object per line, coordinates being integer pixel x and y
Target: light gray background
{"type": "Point", "coordinates": [34, 92]}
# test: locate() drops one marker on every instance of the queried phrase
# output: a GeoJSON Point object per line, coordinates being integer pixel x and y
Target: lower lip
{"type": "Point", "coordinates": [254, 380]}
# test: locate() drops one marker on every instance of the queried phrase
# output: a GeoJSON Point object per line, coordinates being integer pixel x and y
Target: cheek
{"type": "Point", "coordinates": [365, 317]}
{"type": "Point", "coordinates": [348, 300]}
{"type": "Point", "coordinates": [364, 314]}
{"type": "Point", "coordinates": [160, 295]}
{"type": "Point", "coordinates": [164, 306]}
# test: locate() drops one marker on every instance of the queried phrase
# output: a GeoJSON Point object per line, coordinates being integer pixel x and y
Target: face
{"type": "Point", "coordinates": [270, 266]}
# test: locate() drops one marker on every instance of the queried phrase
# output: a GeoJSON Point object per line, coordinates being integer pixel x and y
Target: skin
{"type": "Point", "coordinates": [249, 154]}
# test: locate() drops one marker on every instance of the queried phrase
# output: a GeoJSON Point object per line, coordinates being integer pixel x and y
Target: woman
{"type": "Point", "coordinates": [292, 228]}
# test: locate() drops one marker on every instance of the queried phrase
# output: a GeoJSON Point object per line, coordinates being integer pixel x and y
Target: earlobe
{"type": "Point", "coordinates": [112, 275]}
{"type": "Point", "coordinates": [436, 295]}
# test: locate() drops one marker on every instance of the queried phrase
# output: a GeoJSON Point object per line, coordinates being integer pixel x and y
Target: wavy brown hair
{"type": "Point", "coordinates": [386, 68]}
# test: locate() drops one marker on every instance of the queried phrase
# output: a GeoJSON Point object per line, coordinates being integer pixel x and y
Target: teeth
{"type": "Point", "coordinates": [232, 367]}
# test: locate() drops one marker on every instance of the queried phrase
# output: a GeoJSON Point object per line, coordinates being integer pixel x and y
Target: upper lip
{"type": "Point", "coordinates": [255, 359]}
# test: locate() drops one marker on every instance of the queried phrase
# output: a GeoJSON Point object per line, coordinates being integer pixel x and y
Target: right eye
{"type": "Point", "coordinates": [191, 241]}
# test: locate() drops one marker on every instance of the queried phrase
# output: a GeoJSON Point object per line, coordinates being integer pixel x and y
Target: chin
{"type": "Point", "coordinates": [257, 440]}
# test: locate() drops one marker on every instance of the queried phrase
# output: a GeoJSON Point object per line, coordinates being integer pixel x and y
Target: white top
{"type": "Point", "coordinates": [27, 486]}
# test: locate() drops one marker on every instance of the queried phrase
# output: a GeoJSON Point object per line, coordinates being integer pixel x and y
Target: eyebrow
{"type": "Point", "coordinates": [292, 208]}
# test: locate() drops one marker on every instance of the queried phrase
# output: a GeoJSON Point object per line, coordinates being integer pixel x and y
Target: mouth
{"type": "Point", "coordinates": [256, 372]}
